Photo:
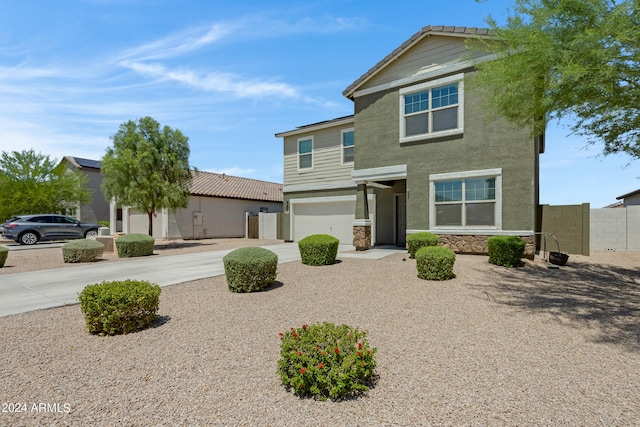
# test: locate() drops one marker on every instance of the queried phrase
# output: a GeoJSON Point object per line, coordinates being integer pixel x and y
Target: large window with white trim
{"type": "Point", "coordinates": [348, 143]}
{"type": "Point", "coordinates": [432, 109]}
{"type": "Point", "coordinates": [305, 153]}
{"type": "Point", "coordinates": [467, 200]}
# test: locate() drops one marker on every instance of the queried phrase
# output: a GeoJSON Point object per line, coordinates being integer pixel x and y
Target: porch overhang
{"type": "Point", "coordinates": [372, 175]}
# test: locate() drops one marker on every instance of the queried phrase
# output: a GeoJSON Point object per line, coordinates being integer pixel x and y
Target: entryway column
{"type": "Point", "coordinates": [362, 223]}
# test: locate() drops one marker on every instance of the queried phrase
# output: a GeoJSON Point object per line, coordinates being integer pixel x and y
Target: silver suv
{"type": "Point", "coordinates": [29, 229]}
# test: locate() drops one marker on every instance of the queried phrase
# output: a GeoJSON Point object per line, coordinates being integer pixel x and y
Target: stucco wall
{"type": "Point", "coordinates": [487, 143]}
{"type": "Point", "coordinates": [220, 218]}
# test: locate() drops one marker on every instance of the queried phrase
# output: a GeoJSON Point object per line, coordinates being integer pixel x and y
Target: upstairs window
{"type": "Point", "coordinates": [305, 153]}
{"type": "Point", "coordinates": [431, 109]}
{"type": "Point", "coordinates": [347, 146]}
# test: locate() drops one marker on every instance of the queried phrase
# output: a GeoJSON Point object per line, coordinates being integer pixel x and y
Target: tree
{"type": "Point", "coordinates": [32, 183]}
{"type": "Point", "coordinates": [568, 58]}
{"type": "Point", "coordinates": [147, 167]}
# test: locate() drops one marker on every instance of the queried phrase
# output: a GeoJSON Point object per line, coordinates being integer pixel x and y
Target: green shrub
{"type": "Point", "coordinates": [506, 250]}
{"type": "Point", "coordinates": [250, 269]}
{"type": "Point", "coordinates": [133, 245]}
{"type": "Point", "coordinates": [112, 308]}
{"type": "Point", "coordinates": [416, 241]}
{"type": "Point", "coordinates": [318, 249]}
{"type": "Point", "coordinates": [83, 250]}
{"type": "Point", "coordinates": [326, 361]}
{"type": "Point", "coordinates": [104, 223]}
{"type": "Point", "coordinates": [435, 263]}
{"type": "Point", "coordinates": [4, 252]}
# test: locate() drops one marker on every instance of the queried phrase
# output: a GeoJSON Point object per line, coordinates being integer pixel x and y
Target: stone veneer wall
{"type": "Point", "coordinates": [476, 244]}
{"type": "Point", "coordinates": [362, 237]}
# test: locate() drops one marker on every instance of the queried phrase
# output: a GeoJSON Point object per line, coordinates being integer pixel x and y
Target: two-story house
{"type": "Point", "coordinates": [420, 153]}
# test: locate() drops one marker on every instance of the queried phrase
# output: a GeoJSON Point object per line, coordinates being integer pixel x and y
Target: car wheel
{"type": "Point", "coordinates": [93, 233]}
{"type": "Point", "coordinates": [28, 238]}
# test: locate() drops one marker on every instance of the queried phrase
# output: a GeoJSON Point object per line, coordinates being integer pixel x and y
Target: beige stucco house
{"type": "Point", "coordinates": [218, 206]}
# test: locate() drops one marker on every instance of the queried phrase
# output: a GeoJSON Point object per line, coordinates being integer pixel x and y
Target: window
{"type": "Point", "coordinates": [347, 146]}
{"type": "Point", "coordinates": [305, 153]}
{"type": "Point", "coordinates": [431, 109]}
{"type": "Point", "coordinates": [470, 199]}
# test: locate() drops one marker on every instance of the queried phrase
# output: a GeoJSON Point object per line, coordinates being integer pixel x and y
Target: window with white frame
{"type": "Point", "coordinates": [348, 146]}
{"type": "Point", "coordinates": [471, 200]}
{"type": "Point", "coordinates": [432, 109]}
{"type": "Point", "coordinates": [305, 153]}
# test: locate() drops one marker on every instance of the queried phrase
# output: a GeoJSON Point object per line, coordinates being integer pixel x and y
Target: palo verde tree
{"type": "Point", "coordinates": [32, 183]}
{"type": "Point", "coordinates": [147, 167]}
{"type": "Point", "coordinates": [568, 58]}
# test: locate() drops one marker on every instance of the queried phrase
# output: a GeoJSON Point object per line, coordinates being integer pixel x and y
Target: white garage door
{"type": "Point", "coordinates": [333, 218]}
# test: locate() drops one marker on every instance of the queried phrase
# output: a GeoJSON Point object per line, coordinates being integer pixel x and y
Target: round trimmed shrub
{"type": "Point", "coordinates": [119, 307]}
{"type": "Point", "coordinates": [134, 245]}
{"type": "Point", "coordinates": [435, 263]}
{"type": "Point", "coordinates": [326, 361]}
{"type": "Point", "coordinates": [318, 249]}
{"type": "Point", "coordinates": [83, 250]}
{"type": "Point", "coordinates": [506, 251]}
{"type": "Point", "coordinates": [4, 252]}
{"type": "Point", "coordinates": [250, 269]}
{"type": "Point", "coordinates": [416, 241]}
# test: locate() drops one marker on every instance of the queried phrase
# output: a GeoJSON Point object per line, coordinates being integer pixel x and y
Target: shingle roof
{"type": "Point", "coordinates": [222, 185]}
{"type": "Point", "coordinates": [425, 31]}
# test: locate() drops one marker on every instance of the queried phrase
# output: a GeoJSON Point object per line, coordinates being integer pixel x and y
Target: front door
{"type": "Point", "coordinates": [401, 219]}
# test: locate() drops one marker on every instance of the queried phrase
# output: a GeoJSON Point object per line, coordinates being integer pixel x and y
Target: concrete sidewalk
{"type": "Point", "coordinates": [35, 290]}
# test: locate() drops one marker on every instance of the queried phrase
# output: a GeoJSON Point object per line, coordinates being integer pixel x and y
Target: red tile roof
{"type": "Point", "coordinates": [222, 185]}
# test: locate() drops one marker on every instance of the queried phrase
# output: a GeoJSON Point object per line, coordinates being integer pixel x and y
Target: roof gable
{"type": "Point", "coordinates": [429, 49]}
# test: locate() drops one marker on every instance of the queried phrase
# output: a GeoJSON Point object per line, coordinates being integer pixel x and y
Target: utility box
{"type": "Point", "coordinates": [197, 218]}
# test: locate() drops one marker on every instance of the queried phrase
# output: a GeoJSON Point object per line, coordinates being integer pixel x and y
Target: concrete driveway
{"type": "Point", "coordinates": [23, 292]}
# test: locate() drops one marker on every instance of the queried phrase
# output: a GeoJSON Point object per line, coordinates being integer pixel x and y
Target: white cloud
{"type": "Point", "coordinates": [138, 58]}
{"type": "Point", "coordinates": [218, 82]}
{"type": "Point", "coordinates": [177, 44]}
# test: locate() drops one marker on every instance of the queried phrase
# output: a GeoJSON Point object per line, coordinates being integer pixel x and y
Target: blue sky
{"type": "Point", "coordinates": [230, 75]}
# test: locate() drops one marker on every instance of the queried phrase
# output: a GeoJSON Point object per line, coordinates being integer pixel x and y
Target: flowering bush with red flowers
{"type": "Point", "coordinates": [326, 361]}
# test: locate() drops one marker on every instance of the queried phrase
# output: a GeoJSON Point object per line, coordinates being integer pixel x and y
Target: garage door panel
{"type": "Point", "coordinates": [335, 219]}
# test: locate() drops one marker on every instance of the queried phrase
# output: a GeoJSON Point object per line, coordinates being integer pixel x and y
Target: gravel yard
{"type": "Point", "coordinates": [494, 346]}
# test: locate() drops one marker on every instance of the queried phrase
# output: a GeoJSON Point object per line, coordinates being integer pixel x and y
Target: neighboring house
{"type": "Point", "coordinates": [218, 207]}
{"type": "Point", "coordinates": [421, 153]}
{"type": "Point", "coordinates": [630, 199]}
{"type": "Point", "coordinates": [98, 208]}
